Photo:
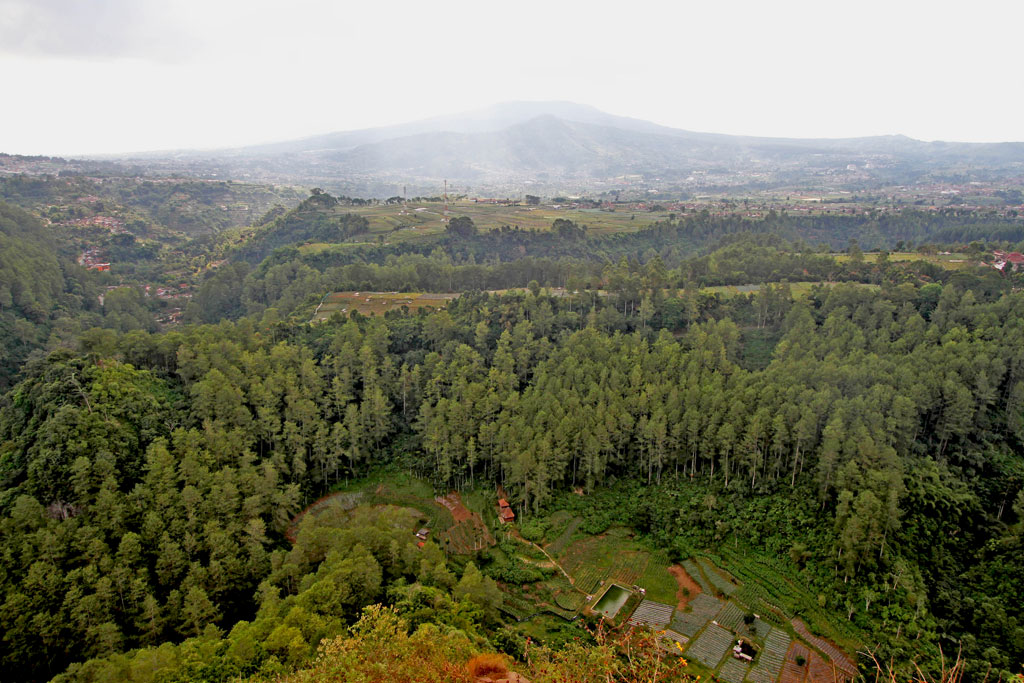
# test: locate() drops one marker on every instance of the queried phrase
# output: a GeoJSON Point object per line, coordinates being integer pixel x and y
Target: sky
{"type": "Point", "coordinates": [117, 76]}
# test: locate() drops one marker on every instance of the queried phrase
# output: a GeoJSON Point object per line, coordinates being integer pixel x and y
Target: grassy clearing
{"type": "Point", "coordinates": [659, 583]}
{"type": "Point", "coordinates": [399, 222]}
{"type": "Point", "coordinates": [948, 261]}
{"type": "Point", "coordinates": [798, 289]}
{"type": "Point", "coordinates": [378, 303]}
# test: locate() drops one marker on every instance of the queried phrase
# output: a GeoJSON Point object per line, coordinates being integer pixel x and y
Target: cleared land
{"type": "Point", "coordinates": [688, 588]}
{"type": "Point", "coordinates": [378, 303]}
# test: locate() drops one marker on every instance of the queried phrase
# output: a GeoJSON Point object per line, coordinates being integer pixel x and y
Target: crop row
{"type": "Point", "coordinates": [630, 566]}
{"type": "Point", "coordinates": [730, 617]}
{"type": "Point", "coordinates": [841, 659]}
{"type": "Point", "coordinates": [588, 579]}
{"type": "Point", "coordinates": [734, 670]}
{"type": "Point", "coordinates": [791, 672]}
{"type": "Point", "coordinates": [559, 544]}
{"type": "Point", "coordinates": [702, 609]}
{"type": "Point", "coordinates": [772, 657]}
{"type": "Point", "coordinates": [695, 573]}
{"type": "Point", "coordinates": [711, 646]}
{"type": "Point", "coordinates": [721, 584]}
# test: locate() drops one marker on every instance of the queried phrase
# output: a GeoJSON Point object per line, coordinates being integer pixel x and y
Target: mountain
{"type": "Point", "coordinates": [518, 144]}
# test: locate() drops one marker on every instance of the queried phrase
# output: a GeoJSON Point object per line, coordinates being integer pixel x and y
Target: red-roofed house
{"type": "Point", "coordinates": [505, 513]}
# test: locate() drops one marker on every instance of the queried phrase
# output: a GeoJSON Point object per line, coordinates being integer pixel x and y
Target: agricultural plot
{"type": "Point", "coordinates": [820, 671]}
{"type": "Point", "coordinates": [702, 609]}
{"type": "Point", "coordinates": [715, 575]}
{"type": "Point", "coordinates": [629, 567]}
{"type": "Point", "coordinates": [378, 303]}
{"type": "Point", "coordinates": [557, 546]}
{"type": "Point", "coordinates": [468, 534]}
{"type": "Point", "coordinates": [734, 670]}
{"type": "Point", "coordinates": [773, 655]}
{"type": "Point", "coordinates": [570, 599]}
{"type": "Point", "coordinates": [711, 646]}
{"type": "Point", "coordinates": [614, 556]}
{"type": "Point", "coordinates": [842, 661]}
{"type": "Point", "coordinates": [656, 615]}
{"type": "Point", "coordinates": [760, 628]}
{"type": "Point", "coordinates": [791, 671]}
{"type": "Point", "coordinates": [697, 575]}
{"type": "Point", "coordinates": [731, 616]}
{"type": "Point", "coordinates": [673, 642]}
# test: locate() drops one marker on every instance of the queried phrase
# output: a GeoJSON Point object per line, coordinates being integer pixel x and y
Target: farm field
{"type": "Point", "coordinates": [948, 261]}
{"type": "Point", "coordinates": [798, 289]}
{"type": "Point", "coordinates": [378, 303]}
{"type": "Point", "coordinates": [416, 218]}
{"type": "Point", "coordinates": [723, 593]}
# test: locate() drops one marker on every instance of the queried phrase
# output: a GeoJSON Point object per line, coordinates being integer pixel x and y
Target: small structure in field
{"type": "Point", "coordinates": [505, 513]}
{"type": "Point", "coordinates": [423, 533]}
{"type": "Point", "coordinates": [743, 651]}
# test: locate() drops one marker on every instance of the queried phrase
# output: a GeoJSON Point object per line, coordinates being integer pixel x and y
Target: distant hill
{"type": "Point", "coordinates": [547, 143]}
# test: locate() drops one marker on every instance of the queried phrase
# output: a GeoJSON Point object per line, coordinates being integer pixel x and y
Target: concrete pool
{"type": "Point", "coordinates": [612, 601]}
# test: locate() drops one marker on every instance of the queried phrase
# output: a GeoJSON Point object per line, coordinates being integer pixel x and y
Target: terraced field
{"type": "Point", "coordinates": [731, 616]}
{"type": "Point", "coordinates": [820, 671]}
{"type": "Point", "coordinates": [711, 646]}
{"type": "Point", "coordinates": [842, 661]}
{"type": "Point", "coordinates": [715, 575]}
{"type": "Point", "coordinates": [697, 575]}
{"type": "Point", "coordinates": [673, 642]}
{"type": "Point", "coordinates": [773, 655]}
{"type": "Point", "coordinates": [629, 567]}
{"type": "Point", "coordinates": [734, 670]}
{"type": "Point", "coordinates": [791, 671]}
{"type": "Point", "coordinates": [656, 615]}
{"type": "Point", "coordinates": [377, 303]}
{"type": "Point", "coordinates": [557, 546]}
{"type": "Point", "coordinates": [702, 609]}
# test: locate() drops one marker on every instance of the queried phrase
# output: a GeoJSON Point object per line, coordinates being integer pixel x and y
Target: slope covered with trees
{"type": "Point", "coordinates": [39, 290]}
{"type": "Point", "coordinates": [149, 479]}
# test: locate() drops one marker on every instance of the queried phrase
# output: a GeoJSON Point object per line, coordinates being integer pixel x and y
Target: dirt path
{"type": "Point", "coordinates": [685, 581]}
{"type": "Point", "coordinates": [554, 562]}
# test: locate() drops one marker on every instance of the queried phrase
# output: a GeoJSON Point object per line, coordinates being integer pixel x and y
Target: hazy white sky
{"type": "Point", "coordinates": [92, 76]}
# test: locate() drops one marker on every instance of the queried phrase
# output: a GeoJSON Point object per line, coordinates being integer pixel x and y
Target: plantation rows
{"type": "Point", "coordinates": [791, 673]}
{"type": "Point", "coordinates": [518, 608]}
{"type": "Point", "coordinates": [557, 546]}
{"type": "Point", "coordinates": [694, 571]}
{"type": "Point", "coordinates": [588, 578]}
{"type": "Point", "coordinates": [731, 616]}
{"type": "Point", "coordinates": [673, 642]}
{"type": "Point", "coordinates": [469, 536]}
{"type": "Point", "coordinates": [767, 578]}
{"type": "Point", "coordinates": [570, 599]}
{"type": "Point", "coordinates": [653, 614]}
{"type": "Point", "coordinates": [711, 646]}
{"type": "Point", "coordinates": [734, 670]}
{"type": "Point", "coordinates": [772, 657]}
{"type": "Point", "coordinates": [629, 567]}
{"type": "Point", "coordinates": [841, 659]}
{"type": "Point", "coordinates": [703, 609]}
{"type": "Point", "coordinates": [722, 585]}
{"type": "Point", "coordinates": [820, 671]}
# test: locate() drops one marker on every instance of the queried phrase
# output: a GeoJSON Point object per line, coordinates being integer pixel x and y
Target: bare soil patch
{"type": "Point", "coordinates": [468, 534]}
{"type": "Point", "coordinates": [453, 503]}
{"type": "Point", "coordinates": [685, 581]}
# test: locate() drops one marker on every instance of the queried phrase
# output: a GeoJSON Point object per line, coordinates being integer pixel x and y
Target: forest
{"type": "Point", "coordinates": [866, 428]}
